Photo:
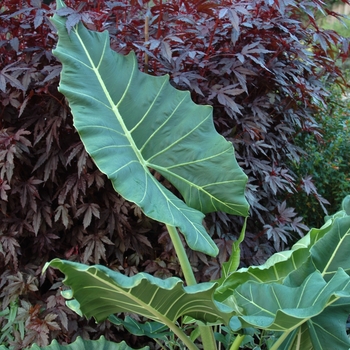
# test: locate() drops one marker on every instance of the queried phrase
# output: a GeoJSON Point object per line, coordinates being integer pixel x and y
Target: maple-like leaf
{"type": "Point", "coordinates": [3, 188]}
{"type": "Point", "coordinates": [89, 210]}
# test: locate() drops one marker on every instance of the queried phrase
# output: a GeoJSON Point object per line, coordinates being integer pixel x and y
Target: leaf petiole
{"type": "Point", "coordinates": [206, 332]}
{"type": "Point", "coordinates": [181, 254]}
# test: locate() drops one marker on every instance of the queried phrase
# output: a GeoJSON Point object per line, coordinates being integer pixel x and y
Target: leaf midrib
{"type": "Point", "coordinates": [114, 107]}
{"type": "Point", "coordinates": [127, 133]}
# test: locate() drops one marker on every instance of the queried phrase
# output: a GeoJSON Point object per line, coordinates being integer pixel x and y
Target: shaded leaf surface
{"type": "Point", "coordinates": [315, 303]}
{"type": "Point", "coordinates": [276, 268]}
{"type": "Point", "coordinates": [149, 329]}
{"type": "Point", "coordinates": [324, 249]}
{"type": "Point", "coordinates": [100, 292]}
{"type": "Point", "coordinates": [332, 252]}
{"type": "Point", "coordinates": [310, 301]}
{"type": "Point", "coordinates": [82, 344]}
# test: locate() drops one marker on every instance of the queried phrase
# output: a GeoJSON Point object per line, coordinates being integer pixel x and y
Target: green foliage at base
{"type": "Point", "coordinates": [55, 203]}
{"type": "Point", "coordinates": [301, 297]}
{"type": "Point", "coordinates": [81, 344]}
{"type": "Point", "coordinates": [327, 160]}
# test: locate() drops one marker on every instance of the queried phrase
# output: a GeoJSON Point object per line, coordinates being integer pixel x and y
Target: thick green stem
{"type": "Point", "coordinates": [280, 340]}
{"type": "Point", "coordinates": [182, 335]}
{"type": "Point", "coordinates": [206, 332]}
{"type": "Point", "coordinates": [208, 339]}
{"type": "Point", "coordinates": [182, 256]}
{"type": "Point", "coordinates": [237, 343]}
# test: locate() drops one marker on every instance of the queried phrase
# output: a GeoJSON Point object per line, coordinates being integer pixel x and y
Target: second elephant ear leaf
{"type": "Point", "coordinates": [82, 344]}
{"type": "Point", "coordinates": [99, 292]}
{"type": "Point", "coordinates": [131, 122]}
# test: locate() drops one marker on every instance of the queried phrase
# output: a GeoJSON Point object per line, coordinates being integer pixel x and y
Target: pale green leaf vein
{"type": "Point", "coordinates": [339, 245]}
{"type": "Point", "coordinates": [148, 110]}
{"type": "Point", "coordinates": [89, 97]}
{"type": "Point", "coordinates": [124, 166]}
{"type": "Point", "coordinates": [103, 52]}
{"type": "Point", "coordinates": [161, 125]}
{"type": "Point", "coordinates": [104, 127]}
{"type": "Point", "coordinates": [177, 141]}
{"type": "Point", "coordinates": [198, 160]}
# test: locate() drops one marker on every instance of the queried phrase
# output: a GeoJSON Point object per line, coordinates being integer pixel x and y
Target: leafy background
{"type": "Point", "coordinates": [250, 60]}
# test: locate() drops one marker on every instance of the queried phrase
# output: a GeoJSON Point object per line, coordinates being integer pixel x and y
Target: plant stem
{"type": "Point", "coordinates": [207, 336]}
{"type": "Point", "coordinates": [182, 256]}
{"type": "Point", "coordinates": [183, 336]}
{"type": "Point", "coordinates": [206, 332]}
{"type": "Point", "coordinates": [281, 339]}
{"type": "Point", "coordinates": [237, 343]}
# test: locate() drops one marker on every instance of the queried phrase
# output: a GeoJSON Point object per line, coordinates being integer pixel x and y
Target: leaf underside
{"type": "Point", "coordinates": [131, 122]}
{"type": "Point", "coordinates": [325, 248]}
{"type": "Point", "coordinates": [303, 293]}
{"type": "Point", "coordinates": [100, 292]}
{"type": "Point", "coordinates": [82, 344]}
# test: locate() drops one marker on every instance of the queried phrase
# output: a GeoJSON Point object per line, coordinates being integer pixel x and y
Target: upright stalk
{"type": "Point", "coordinates": [183, 336]}
{"type": "Point", "coordinates": [237, 342]}
{"type": "Point", "coordinates": [182, 256]}
{"type": "Point", "coordinates": [281, 339]}
{"type": "Point", "coordinates": [206, 332]}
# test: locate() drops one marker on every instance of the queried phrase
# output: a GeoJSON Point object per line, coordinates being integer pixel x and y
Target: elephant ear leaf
{"type": "Point", "coordinates": [314, 313]}
{"type": "Point", "coordinates": [131, 122]}
{"type": "Point", "coordinates": [99, 292]}
{"type": "Point", "coordinates": [82, 344]}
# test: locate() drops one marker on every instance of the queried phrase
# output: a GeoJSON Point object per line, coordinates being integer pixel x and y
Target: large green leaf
{"type": "Point", "coordinates": [277, 267]}
{"type": "Point", "coordinates": [325, 249]}
{"type": "Point", "coordinates": [131, 122]}
{"type": "Point", "coordinates": [82, 344]}
{"type": "Point", "coordinates": [320, 307]}
{"type": "Point", "coordinates": [332, 251]}
{"type": "Point", "coordinates": [100, 292]}
{"type": "Point", "coordinates": [328, 253]}
{"type": "Point", "coordinates": [322, 330]}
{"type": "Point", "coordinates": [302, 294]}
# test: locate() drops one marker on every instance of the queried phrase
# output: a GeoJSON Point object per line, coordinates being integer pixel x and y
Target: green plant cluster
{"type": "Point", "coordinates": [326, 159]}
{"type": "Point", "coordinates": [342, 27]}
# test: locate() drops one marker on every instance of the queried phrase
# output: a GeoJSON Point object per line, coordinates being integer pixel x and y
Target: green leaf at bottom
{"type": "Point", "coordinates": [100, 292]}
{"type": "Point", "coordinates": [82, 344]}
{"type": "Point", "coordinates": [319, 307]}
